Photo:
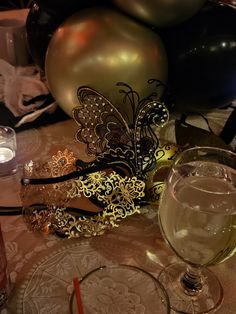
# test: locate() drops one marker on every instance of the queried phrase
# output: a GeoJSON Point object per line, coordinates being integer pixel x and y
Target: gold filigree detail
{"type": "Point", "coordinates": [40, 218]}
{"type": "Point", "coordinates": [62, 163]}
{"type": "Point", "coordinates": [59, 164]}
{"type": "Point", "coordinates": [118, 194]}
{"type": "Point", "coordinates": [75, 227]}
{"type": "Point", "coordinates": [119, 197]}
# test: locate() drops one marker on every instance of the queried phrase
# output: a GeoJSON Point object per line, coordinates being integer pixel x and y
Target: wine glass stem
{"type": "Point", "coordinates": [192, 281]}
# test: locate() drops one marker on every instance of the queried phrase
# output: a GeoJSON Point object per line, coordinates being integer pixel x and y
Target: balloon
{"type": "Point", "coordinates": [160, 13]}
{"type": "Point", "coordinates": [155, 180]}
{"type": "Point", "coordinates": [202, 59]}
{"type": "Point", "coordinates": [69, 7]}
{"type": "Point", "coordinates": [40, 26]}
{"type": "Point", "coordinates": [44, 18]}
{"type": "Point", "coordinates": [98, 48]}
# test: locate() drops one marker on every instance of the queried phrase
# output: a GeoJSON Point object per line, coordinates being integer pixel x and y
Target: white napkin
{"type": "Point", "coordinates": [19, 84]}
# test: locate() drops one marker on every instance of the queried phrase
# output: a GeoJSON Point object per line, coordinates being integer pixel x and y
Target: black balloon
{"type": "Point", "coordinates": [69, 6]}
{"type": "Point", "coordinates": [202, 59]}
{"type": "Point", "coordinates": [44, 17]}
{"type": "Point", "coordinates": [40, 25]}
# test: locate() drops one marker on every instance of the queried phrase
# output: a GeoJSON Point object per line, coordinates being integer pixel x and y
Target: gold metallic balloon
{"type": "Point", "coordinates": [160, 13]}
{"type": "Point", "coordinates": [99, 47]}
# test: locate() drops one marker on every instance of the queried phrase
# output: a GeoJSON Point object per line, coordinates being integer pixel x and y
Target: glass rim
{"type": "Point", "coordinates": [10, 131]}
{"type": "Point", "coordinates": [209, 148]}
{"type": "Point", "coordinates": [117, 266]}
{"type": "Point", "coordinates": [213, 148]}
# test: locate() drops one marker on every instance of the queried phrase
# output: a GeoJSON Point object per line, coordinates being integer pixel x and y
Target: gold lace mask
{"type": "Point", "coordinates": [55, 194]}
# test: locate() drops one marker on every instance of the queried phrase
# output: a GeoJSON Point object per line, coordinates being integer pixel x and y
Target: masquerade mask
{"type": "Point", "coordinates": [125, 149]}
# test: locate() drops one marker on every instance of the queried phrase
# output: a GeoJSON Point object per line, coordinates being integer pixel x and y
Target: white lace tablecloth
{"type": "Point", "coordinates": [42, 268]}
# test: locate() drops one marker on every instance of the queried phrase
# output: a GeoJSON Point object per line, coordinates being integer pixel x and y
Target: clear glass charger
{"type": "Point", "coordinates": [121, 289]}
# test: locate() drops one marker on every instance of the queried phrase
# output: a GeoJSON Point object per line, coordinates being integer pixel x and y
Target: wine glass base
{"type": "Point", "coordinates": [208, 300]}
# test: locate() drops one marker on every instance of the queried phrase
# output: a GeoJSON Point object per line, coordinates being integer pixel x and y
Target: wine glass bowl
{"type": "Point", "coordinates": [197, 216]}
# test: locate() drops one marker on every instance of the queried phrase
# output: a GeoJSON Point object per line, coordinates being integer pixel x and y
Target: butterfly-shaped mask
{"type": "Point", "coordinates": [112, 135]}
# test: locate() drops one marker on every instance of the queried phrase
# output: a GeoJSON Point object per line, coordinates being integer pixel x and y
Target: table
{"type": "Point", "coordinates": [42, 268]}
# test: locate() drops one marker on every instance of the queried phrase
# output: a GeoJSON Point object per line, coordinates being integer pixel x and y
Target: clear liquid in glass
{"type": "Point", "coordinates": [198, 214]}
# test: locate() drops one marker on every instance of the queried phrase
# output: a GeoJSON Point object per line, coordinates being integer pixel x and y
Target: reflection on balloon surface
{"type": "Point", "coordinates": [98, 48]}
{"type": "Point", "coordinates": [44, 18]}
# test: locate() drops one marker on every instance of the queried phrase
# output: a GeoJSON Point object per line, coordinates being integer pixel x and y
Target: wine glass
{"type": "Point", "coordinates": [197, 216]}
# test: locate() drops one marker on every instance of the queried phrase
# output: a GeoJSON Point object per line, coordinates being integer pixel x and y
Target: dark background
{"type": "Point", "coordinates": [14, 4]}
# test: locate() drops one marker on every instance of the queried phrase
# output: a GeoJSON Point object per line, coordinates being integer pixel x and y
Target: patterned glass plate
{"type": "Point", "coordinates": [121, 289]}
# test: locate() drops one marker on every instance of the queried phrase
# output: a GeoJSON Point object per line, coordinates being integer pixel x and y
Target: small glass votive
{"type": "Point", "coordinates": [8, 165]}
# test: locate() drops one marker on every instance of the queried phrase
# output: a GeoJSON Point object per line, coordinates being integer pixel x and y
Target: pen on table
{"type": "Point", "coordinates": [78, 295]}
